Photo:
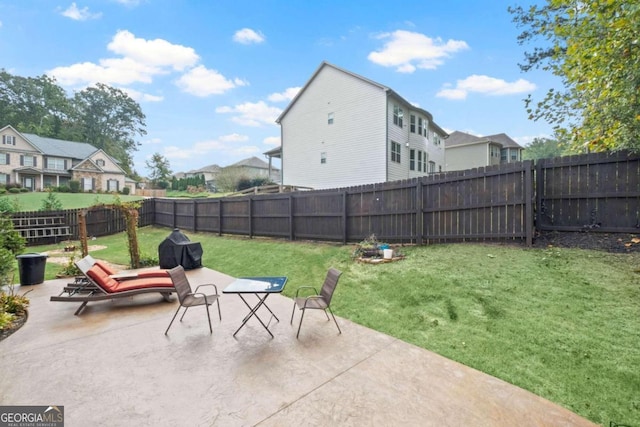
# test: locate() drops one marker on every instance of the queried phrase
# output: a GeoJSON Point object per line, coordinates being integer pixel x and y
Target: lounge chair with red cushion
{"type": "Point", "coordinates": [102, 286]}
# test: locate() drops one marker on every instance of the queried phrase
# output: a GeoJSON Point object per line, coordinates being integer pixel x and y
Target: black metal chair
{"type": "Point", "coordinates": [319, 301]}
{"type": "Point", "coordinates": [188, 299]}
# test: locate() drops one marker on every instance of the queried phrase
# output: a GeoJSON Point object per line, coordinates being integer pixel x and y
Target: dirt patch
{"type": "Point", "coordinates": [60, 256]}
{"type": "Point", "coordinates": [608, 242]}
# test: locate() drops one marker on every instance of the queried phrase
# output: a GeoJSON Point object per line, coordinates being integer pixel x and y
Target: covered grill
{"type": "Point", "coordinates": [177, 250]}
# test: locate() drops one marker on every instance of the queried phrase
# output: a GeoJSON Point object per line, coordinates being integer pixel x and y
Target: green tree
{"type": "Point", "coordinates": [159, 167]}
{"type": "Point", "coordinates": [594, 47]}
{"type": "Point", "coordinates": [51, 202]}
{"type": "Point", "coordinates": [109, 119]}
{"type": "Point", "coordinates": [544, 148]}
{"type": "Point", "coordinates": [34, 105]}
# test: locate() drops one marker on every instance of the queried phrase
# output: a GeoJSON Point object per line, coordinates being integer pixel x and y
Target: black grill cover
{"type": "Point", "coordinates": [177, 250]}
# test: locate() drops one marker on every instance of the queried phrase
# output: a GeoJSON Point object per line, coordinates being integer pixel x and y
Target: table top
{"type": "Point", "coordinates": [252, 285]}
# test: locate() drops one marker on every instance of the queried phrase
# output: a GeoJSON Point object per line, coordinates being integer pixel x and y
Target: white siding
{"type": "Point", "coordinates": [355, 144]}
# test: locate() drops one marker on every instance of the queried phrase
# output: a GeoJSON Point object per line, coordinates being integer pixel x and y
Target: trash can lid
{"type": "Point", "coordinates": [32, 255]}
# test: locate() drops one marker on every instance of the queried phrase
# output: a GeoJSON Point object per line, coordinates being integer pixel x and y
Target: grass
{"type": "Point", "coordinates": [562, 323]}
{"type": "Point", "coordinates": [32, 201]}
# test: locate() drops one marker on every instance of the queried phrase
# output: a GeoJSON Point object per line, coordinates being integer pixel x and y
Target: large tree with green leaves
{"type": "Point", "coordinates": [544, 148]}
{"type": "Point", "coordinates": [34, 105]}
{"type": "Point", "coordinates": [594, 47]}
{"type": "Point", "coordinates": [109, 119]}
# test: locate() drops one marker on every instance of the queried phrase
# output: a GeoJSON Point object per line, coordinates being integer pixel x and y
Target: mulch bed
{"type": "Point", "coordinates": [608, 242]}
{"type": "Point", "coordinates": [17, 323]}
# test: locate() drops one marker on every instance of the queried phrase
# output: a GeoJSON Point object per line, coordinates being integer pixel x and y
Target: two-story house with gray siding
{"type": "Point", "coordinates": [466, 151]}
{"type": "Point", "coordinates": [36, 163]}
{"type": "Point", "coordinates": [343, 129]}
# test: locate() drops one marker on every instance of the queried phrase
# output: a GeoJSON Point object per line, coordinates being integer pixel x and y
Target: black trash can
{"type": "Point", "coordinates": [31, 268]}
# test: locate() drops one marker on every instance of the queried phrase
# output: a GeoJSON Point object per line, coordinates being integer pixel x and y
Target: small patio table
{"type": "Point", "coordinates": [258, 286]}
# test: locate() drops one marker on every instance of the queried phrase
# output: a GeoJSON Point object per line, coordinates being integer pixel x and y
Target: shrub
{"type": "Point", "coordinates": [64, 189]}
{"type": "Point", "coordinates": [126, 190]}
{"type": "Point", "coordinates": [24, 190]}
{"type": "Point", "coordinates": [74, 186]}
{"type": "Point", "coordinates": [14, 190]}
{"type": "Point", "coordinates": [3, 191]}
{"type": "Point", "coordinates": [163, 185]}
{"type": "Point", "coordinates": [51, 202]}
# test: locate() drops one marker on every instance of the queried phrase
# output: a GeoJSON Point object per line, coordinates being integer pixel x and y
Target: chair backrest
{"type": "Point", "coordinates": [180, 281]}
{"type": "Point", "coordinates": [84, 264]}
{"type": "Point", "coordinates": [329, 285]}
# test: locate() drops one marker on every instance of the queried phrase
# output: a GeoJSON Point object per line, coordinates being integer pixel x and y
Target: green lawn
{"type": "Point", "coordinates": [32, 201]}
{"type": "Point", "coordinates": [562, 323]}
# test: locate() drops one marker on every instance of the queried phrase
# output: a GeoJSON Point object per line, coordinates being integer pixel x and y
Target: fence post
{"type": "Point", "coordinates": [528, 191]}
{"type": "Point", "coordinates": [419, 225]}
{"type": "Point", "coordinates": [174, 214]}
{"type": "Point", "coordinates": [344, 218]}
{"type": "Point", "coordinates": [195, 216]}
{"type": "Point", "coordinates": [540, 192]}
{"type": "Point", "coordinates": [250, 208]}
{"type": "Point", "coordinates": [291, 231]}
{"type": "Point", "coordinates": [219, 217]}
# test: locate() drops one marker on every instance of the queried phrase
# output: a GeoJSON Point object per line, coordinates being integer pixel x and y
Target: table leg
{"type": "Point", "coordinates": [253, 312]}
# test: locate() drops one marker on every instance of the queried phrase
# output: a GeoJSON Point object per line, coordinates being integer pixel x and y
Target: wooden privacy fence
{"type": "Point", "coordinates": [594, 192]}
{"type": "Point", "coordinates": [479, 204]}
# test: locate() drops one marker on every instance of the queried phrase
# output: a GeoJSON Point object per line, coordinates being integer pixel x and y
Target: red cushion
{"type": "Point", "coordinates": [105, 267]}
{"type": "Point", "coordinates": [103, 280]}
{"type": "Point", "coordinates": [141, 283]}
{"type": "Point", "coordinates": [153, 273]}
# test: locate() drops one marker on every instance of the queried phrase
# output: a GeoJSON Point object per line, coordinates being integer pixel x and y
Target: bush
{"type": "Point", "coordinates": [163, 185]}
{"type": "Point", "coordinates": [51, 203]}
{"type": "Point", "coordinates": [24, 190]}
{"type": "Point", "coordinates": [64, 189]}
{"type": "Point", "coordinates": [3, 191]}
{"type": "Point", "coordinates": [74, 186]}
{"type": "Point", "coordinates": [126, 190]}
{"type": "Point", "coordinates": [14, 190]}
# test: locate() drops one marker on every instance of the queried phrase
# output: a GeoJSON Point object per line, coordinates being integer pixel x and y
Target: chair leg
{"type": "Point", "coordinates": [300, 326]}
{"type": "Point", "coordinates": [334, 319]}
{"type": "Point", "coordinates": [174, 318]}
{"type": "Point", "coordinates": [185, 312]}
{"type": "Point", "coordinates": [209, 318]}
{"type": "Point", "coordinates": [219, 312]}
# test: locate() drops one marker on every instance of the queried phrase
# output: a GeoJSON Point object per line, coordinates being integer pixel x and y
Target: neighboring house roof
{"type": "Point", "coordinates": [253, 162]}
{"type": "Point", "coordinates": [458, 139]}
{"type": "Point", "coordinates": [211, 169]}
{"type": "Point", "coordinates": [387, 89]}
{"type": "Point", "coordinates": [61, 148]}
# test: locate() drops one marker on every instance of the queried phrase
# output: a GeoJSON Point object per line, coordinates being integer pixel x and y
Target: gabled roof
{"type": "Point", "coordinates": [253, 162]}
{"type": "Point", "coordinates": [457, 139]}
{"type": "Point", "coordinates": [60, 148]}
{"type": "Point", "coordinates": [390, 92]}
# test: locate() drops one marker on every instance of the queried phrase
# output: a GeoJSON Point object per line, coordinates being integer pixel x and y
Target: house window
{"type": "Point", "coordinates": [419, 125]}
{"type": "Point", "coordinates": [28, 161]}
{"type": "Point", "coordinates": [113, 185]}
{"type": "Point", "coordinates": [4, 159]}
{"type": "Point", "coordinates": [432, 167]}
{"type": "Point", "coordinates": [87, 184]}
{"type": "Point", "coordinates": [330, 118]}
{"type": "Point", "coordinates": [419, 161]}
{"type": "Point", "coordinates": [56, 163]}
{"type": "Point", "coordinates": [100, 162]}
{"type": "Point", "coordinates": [8, 139]}
{"type": "Point", "coordinates": [412, 159]}
{"type": "Point", "coordinates": [436, 139]}
{"type": "Point", "coordinates": [424, 162]}
{"type": "Point", "coordinates": [4, 179]}
{"type": "Point", "coordinates": [514, 155]}
{"type": "Point", "coordinates": [412, 126]}
{"type": "Point", "coordinates": [503, 155]}
{"type": "Point", "coordinates": [398, 114]}
{"type": "Point", "coordinates": [323, 158]}
{"type": "Point", "coordinates": [425, 130]}
{"type": "Point", "coordinates": [395, 152]}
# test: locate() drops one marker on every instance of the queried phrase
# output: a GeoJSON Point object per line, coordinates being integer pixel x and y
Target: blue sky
{"type": "Point", "coordinates": [212, 76]}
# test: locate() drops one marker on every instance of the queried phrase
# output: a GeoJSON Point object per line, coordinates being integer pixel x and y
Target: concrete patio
{"type": "Point", "coordinates": [113, 366]}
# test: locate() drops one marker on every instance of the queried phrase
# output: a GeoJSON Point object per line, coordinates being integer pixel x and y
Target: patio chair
{"type": "Point", "coordinates": [188, 299]}
{"type": "Point", "coordinates": [319, 301]}
{"type": "Point", "coordinates": [98, 286]}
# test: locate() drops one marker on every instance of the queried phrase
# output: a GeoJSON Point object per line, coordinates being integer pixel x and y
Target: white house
{"type": "Point", "coordinates": [36, 163]}
{"type": "Point", "coordinates": [343, 129]}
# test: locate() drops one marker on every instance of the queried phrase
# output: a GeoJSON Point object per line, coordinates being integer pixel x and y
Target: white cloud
{"type": "Point", "coordinates": [152, 141]}
{"type": "Point", "coordinates": [248, 36]}
{"type": "Point", "coordinates": [234, 137]}
{"type": "Point", "coordinates": [142, 97]}
{"type": "Point", "coordinates": [231, 143]}
{"type": "Point", "coordinates": [200, 81]}
{"type": "Point", "coordinates": [287, 95]}
{"type": "Point", "coordinates": [273, 140]}
{"type": "Point", "coordinates": [252, 114]}
{"type": "Point", "coordinates": [408, 51]}
{"type": "Point", "coordinates": [485, 85]}
{"type": "Point", "coordinates": [130, 3]}
{"type": "Point", "coordinates": [157, 52]}
{"type": "Point", "coordinates": [121, 71]}
{"type": "Point", "coordinates": [77, 14]}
